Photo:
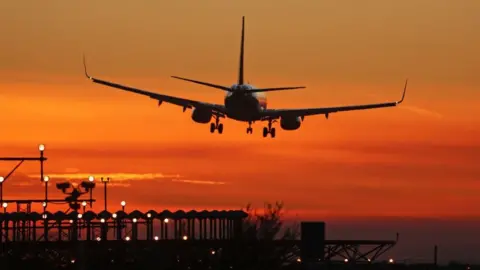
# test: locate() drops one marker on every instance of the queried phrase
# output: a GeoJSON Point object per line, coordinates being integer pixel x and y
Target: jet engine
{"type": "Point", "coordinates": [201, 115]}
{"type": "Point", "coordinates": [290, 122]}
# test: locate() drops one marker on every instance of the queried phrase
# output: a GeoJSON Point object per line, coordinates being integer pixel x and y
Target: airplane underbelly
{"type": "Point", "coordinates": [242, 108]}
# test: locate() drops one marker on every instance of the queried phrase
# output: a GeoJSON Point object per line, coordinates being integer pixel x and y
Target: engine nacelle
{"type": "Point", "coordinates": [201, 115]}
{"type": "Point", "coordinates": [290, 123]}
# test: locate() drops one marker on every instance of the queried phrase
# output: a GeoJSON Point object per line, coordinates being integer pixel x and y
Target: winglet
{"type": "Point", "coordinates": [85, 68]}
{"type": "Point", "coordinates": [404, 91]}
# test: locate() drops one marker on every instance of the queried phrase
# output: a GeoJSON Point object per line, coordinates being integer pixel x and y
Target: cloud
{"type": "Point", "coordinates": [114, 177]}
{"type": "Point", "coordinates": [200, 182]}
{"type": "Point", "coordinates": [422, 111]}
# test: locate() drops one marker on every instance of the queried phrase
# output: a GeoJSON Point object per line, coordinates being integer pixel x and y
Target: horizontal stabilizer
{"type": "Point", "coordinates": [204, 83]}
{"type": "Point", "coordinates": [276, 89]}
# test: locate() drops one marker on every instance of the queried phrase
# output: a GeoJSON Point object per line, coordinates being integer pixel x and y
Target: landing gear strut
{"type": "Point", "coordinates": [216, 126]}
{"type": "Point", "coordinates": [269, 129]}
{"type": "Point", "coordinates": [249, 129]}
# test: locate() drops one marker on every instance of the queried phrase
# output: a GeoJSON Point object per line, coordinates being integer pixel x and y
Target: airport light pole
{"type": "Point", "coordinates": [41, 148]}
{"type": "Point", "coordinates": [45, 180]}
{"type": "Point", "coordinates": [105, 181]}
{"type": "Point", "coordinates": [1, 188]}
{"type": "Point", "coordinates": [91, 179]}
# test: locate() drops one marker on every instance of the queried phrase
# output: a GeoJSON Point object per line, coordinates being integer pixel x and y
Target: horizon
{"type": "Point", "coordinates": [416, 163]}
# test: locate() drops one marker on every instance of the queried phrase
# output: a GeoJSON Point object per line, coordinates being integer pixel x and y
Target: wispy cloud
{"type": "Point", "coordinates": [422, 111]}
{"type": "Point", "coordinates": [114, 177]}
{"type": "Point", "coordinates": [199, 182]}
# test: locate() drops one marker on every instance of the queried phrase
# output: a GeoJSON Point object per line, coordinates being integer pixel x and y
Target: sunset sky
{"type": "Point", "coordinates": [420, 159]}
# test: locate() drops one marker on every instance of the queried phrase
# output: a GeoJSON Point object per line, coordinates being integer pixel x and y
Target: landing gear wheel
{"type": "Point", "coordinates": [220, 128]}
{"type": "Point", "coordinates": [265, 132]}
{"type": "Point", "coordinates": [249, 130]}
{"type": "Point", "coordinates": [272, 132]}
{"type": "Point", "coordinates": [212, 127]}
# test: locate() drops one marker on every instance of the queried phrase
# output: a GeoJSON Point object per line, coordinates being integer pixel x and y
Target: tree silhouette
{"type": "Point", "coordinates": [263, 228]}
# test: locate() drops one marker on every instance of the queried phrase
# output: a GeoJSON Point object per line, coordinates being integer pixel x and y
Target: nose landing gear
{"type": "Point", "coordinates": [216, 126]}
{"type": "Point", "coordinates": [269, 130]}
{"type": "Point", "coordinates": [249, 129]}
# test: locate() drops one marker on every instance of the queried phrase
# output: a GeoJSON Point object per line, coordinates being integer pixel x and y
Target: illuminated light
{"type": "Point", "coordinates": [114, 215]}
{"type": "Point", "coordinates": [41, 147]}
{"type": "Point", "coordinates": [99, 239]}
{"type": "Point", "coordinates": [44, 204]}
{"type": "Point", "coordinates": [4, 205]}
{"type": "Point", "coordinates": [80, 216]}
{"type": "Point", "coordinates": [213, 252]}
{"type": "Point", "coordinates": [2, 179]}
{"type": "Point", "coordinates": [369, 260]}
{"type": "Point", "coordinates": [44, 216]}
{"type": "Point", "coordinates": [91, 178]}
{"type": "Point", "coordinates": [185, 237]}
{"type": "Point", "coordinates": [46, 178]}
{"type": "Point", "coordinates": [123, 203]}
{"type": "Point", "coordinates": [134, 220]}
{"type": "Point", "coordinates": [299, 260]}
{"type": "Point", "coordinates": [71, 220]}
{"type": "Point", "coordinates": [165, 220]}
{"type": "Point", "coordinates": [149, 215]}
{"type": "Point", "coordinates": [346, 260]}
{"type": "Point", "coordinates": [84, 203]}
{"type": "Point", "coordinates": [72, 261]}
{"type": "Point", "coordinates": [156, 238]}
{"type": "Point", "coordinates": [390, 261]}
{"type": "Point", "coordinates": [127, 238]}
{"type": "Point", "coordinates": [102, 220]}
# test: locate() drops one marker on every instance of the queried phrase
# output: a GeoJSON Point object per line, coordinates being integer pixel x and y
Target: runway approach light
{"type": "Point", "coordinates": [41, 147]}
{"type": "Point", "coordinates": [2, 179]}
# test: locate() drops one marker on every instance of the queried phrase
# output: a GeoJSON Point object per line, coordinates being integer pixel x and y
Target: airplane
{"type": "Point", "coordinates": [243, 102]}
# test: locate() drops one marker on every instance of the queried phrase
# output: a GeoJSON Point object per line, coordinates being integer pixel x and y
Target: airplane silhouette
{"type": "Point", "coordinates": [244, 102]}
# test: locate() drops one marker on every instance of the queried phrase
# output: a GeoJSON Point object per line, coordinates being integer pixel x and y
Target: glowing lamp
{"type": "Point", "coordinates": [91, 178]}
{"type": "Point", "coordinates": [84, 203]}
{"type": "Point", "coordinates": [80, 216]}
{"type": "Point", "coordinates": [2, 179]}
{"type": "Point", "coordinates": [165, 220]}
{"type": "Point", "coordinates": [123, 203]}
{"type": "Point", "coordinates": [46, 178]}
{"type": "Point", "coordinates": [185, 237]}
{"type": "Point", "coordinates": [41, 147]}
{"type": "Point", "coordinates": [156, 238]}
{"type": "Point", "coordinates": [4, 205]}
{"type": "Point", "coordinates": [114, 215]}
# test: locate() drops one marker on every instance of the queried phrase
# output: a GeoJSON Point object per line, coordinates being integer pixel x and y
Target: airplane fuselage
{"type": "Point", "coordinates": [245, 106]}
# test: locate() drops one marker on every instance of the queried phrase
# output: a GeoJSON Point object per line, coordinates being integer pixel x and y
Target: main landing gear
{"type": "Point", "coordinates": [216, 126]}
{"type": "Point", "coordinates": [269, 129]}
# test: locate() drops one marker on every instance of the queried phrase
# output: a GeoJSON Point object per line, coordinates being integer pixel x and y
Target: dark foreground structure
{"type": "Point", "coordinates": [81, 239]}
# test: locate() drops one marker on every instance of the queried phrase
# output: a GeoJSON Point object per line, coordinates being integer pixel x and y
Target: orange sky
{"type": "Point", "coordinates": [420, 159]}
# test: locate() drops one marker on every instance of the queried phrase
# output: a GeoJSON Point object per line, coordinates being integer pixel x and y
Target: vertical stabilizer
{"type": "Point", "coordinates": [240, 70]}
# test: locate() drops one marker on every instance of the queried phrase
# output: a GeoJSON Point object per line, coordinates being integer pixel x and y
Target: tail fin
{"type": "Point", "coordinates": [240, 70]}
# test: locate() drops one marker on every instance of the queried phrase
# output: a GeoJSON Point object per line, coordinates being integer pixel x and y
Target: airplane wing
{"type": "Point", "coordinates": [270, 114]}
{"type": "Point", "coordinates": [216, 109]}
